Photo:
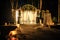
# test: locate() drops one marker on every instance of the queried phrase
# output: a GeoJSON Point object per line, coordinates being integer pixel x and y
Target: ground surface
{"type": "Point", "coordinates": [36, 32]}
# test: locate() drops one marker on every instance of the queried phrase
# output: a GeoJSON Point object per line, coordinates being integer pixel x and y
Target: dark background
{"type": "Point", "coordinates": [5, 8]}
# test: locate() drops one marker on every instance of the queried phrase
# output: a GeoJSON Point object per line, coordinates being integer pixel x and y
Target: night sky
{"type": "Point", "coordinates": [5, 8]}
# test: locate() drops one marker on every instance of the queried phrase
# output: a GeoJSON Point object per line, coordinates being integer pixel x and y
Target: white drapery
{"type": "Point", "coordinates": [28, 17]}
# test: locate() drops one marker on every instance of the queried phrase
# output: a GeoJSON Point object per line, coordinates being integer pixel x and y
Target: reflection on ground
{"type": "Point", "coordinates": [29, 32]}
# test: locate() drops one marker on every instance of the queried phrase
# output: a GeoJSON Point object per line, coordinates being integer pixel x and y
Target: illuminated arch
{"type": "Point", "coordinates": [28, 7]}
{"type": "Point", "coordinates": [28, 14]}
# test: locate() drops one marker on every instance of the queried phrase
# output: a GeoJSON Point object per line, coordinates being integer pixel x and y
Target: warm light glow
{"type": "Point", "coordinates": [5, 24]}
{"type": "Point", "coordinates": [18, 25]}
{"type": "Point", "coordinates": [17, 16]}
{"type": "Point", "coordinates": [12, 33]}
{"type": "Point", "coordinates": [28, 17]}
{"type": "Point", "coordinates": [40, 21]}
{"type": "Point", "coordinates": [49, 19]}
